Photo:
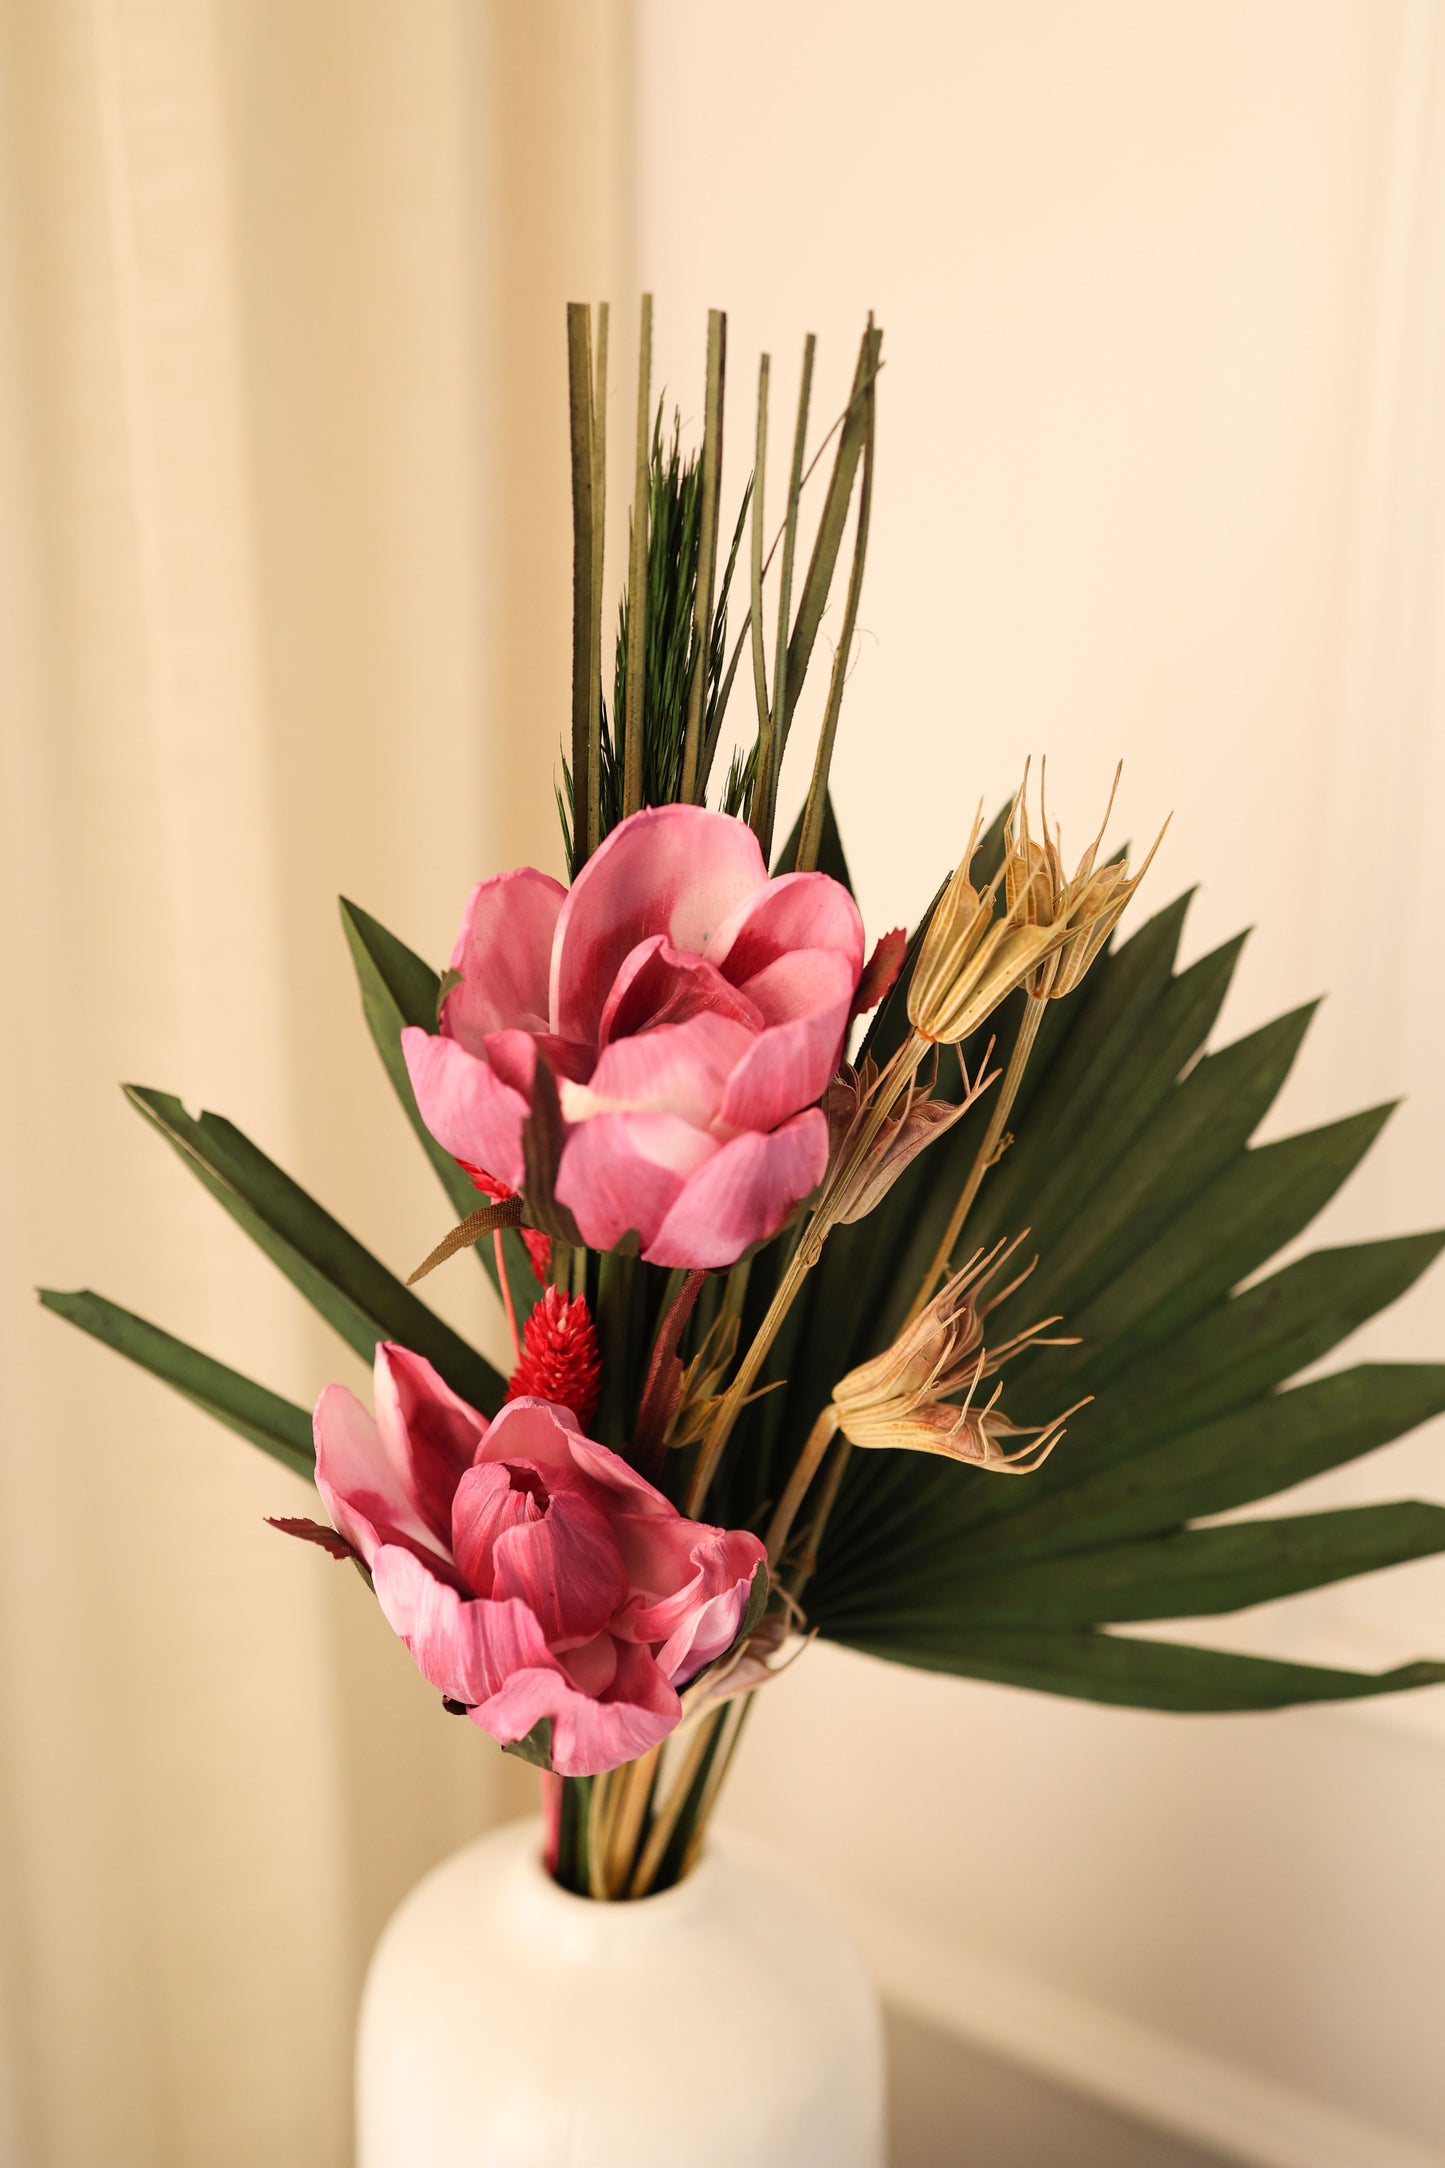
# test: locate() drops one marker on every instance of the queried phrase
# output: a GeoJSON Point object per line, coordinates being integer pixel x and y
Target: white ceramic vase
{"type": "Point", "coordinates": [726, 2023]}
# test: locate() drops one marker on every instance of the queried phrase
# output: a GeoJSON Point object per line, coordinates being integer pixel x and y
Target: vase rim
{"type": "Point", "coordinates": [694, 1885]}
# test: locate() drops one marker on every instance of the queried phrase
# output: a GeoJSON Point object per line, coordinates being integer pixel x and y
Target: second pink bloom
{"type": "Point", "coordinates": [532, 1573]}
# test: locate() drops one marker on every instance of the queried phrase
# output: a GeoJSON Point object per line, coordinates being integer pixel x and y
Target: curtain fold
{"type": "Point", "coordinates": [283, 575]}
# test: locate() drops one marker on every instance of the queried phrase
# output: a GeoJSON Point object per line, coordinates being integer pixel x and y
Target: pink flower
{"type": "Point", "coordinates": [530, 1572]}
{"type": "Point", "coordinates": [692, 1012]}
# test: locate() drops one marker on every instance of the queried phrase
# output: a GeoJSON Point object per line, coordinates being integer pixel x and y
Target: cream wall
{"type": "Point", "coordinates": [283, 575]}
{"type": "Point", "coordinates": [1160, 477]}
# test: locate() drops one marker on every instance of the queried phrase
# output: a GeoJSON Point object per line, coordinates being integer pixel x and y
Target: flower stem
{"type": "Point", "coordinates": [571, 1869]}
{"type": "Point", "coordinates": [633, 725]}
{"type": "Point", "coordinates": [596, 1804]}
{"type": "Point", "coordinates": [762, 812]}
{"type": "Point", "coordinates": [827, 1498]}
{"type": "Point", "coordinates": [617, 1277]}
{"type": "Point", "coordinates": [891, 1085]}
{"type": "Point", "coordinates": [1023, 1046]}
{"type": "Point", "coordinates": [820, 1437]}
{"type": "Point", "coordinates": [628, 1799]}
{"type": "Point", "coordinates": [797, 1270]}
{"type": "Point", "coordinates": [691, 1767]}
{"type": "Point", "coordinates": [506, 1287]}
{"type": "Point", "coordinates": [735, 1716]}
{"type": "Point", "coordinates": [692, 779]}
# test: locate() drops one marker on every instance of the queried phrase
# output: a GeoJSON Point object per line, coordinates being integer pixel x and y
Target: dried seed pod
{"type": "Point", "coordinates": [904, 1399]}
{"type": "Point", "coordinates": [861, 1173]}
{"type": "Point", "coordinates": [970, 960]}
{"type": "Point", "coordinates": [1049, 932]}
{"type": "Point", "coordinates": [1081, 910]}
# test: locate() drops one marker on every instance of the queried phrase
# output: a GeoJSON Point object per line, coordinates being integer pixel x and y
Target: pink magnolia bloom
{"type": "Point", "coordinates": [692, 1011]}
{"type": "Point", "coordinates": [530, 1572]}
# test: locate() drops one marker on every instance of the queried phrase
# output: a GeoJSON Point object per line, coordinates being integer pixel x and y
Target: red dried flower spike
{"type": "Point", "coordinates": [560, 1360]}
{"type": "Point", "coordinates": [539, 1247]}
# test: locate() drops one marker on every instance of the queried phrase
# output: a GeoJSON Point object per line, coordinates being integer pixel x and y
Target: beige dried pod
{"type": "Point", "coordinates": [970, 960]}
{"type": "Point", "coordinates": [1050, 930]}
{"type": "Point", "coordinates": [904, 1399]}
{"type": "Point", "coordinates": [860, 1178]}
{"type": "Point", "coordinates": [1081, 910]}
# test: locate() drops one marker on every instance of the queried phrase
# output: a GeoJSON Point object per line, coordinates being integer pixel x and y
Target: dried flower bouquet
{"type": "Point", "coordinates": [784, 1308]}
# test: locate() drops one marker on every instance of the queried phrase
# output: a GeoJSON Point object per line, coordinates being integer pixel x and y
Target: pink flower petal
{"type": "Point", "coordinates": [368, 1495]}
{"type": "Point", "coordinates": [592, 1668]}
{"type": "Point", "coordinates": [787, 1069]}
{"type": "Point", "coordinates": [658, 984]}
{"type": "Point", "coordinates": [809, 982]}
{"type": "Point", "coordinates": [632, 1497]}
{"type": "Point", "coordinates": [701, 1617]}
{"type": "Point", "coordinates": [677, 870]}
{"type": "Point", "coordinates": [796, 911]}
{"type": "Point", "coordinates": [428, 1433]}
{"type": "Point", "coordinates": [512, 1056]}
{"type": "Point", "coordinates": [504, 953]}
{"type": "Point", "coordinates": [588, 1736]}
{"type": "Point", "coordinates": [485, 1507]}
{"type": "Point", "coordinates": [624, 1171]}
{"type": "Point", "coordinates": [466, 1106]}
{"type": "Point", "coordinates": [678, 1069]}
{"type": "Point", "coordinates": [565, 1567]}
{"type": "Point", "coordinates": [466, 1647]}
{"type": "Point", "coordinates": [657, 1551]}
{"type": "Point", "coordinates": [532, 1433]}
{"type": "Point", "coordinates": [741, 1195]}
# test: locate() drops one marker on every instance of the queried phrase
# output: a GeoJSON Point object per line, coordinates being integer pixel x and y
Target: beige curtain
{"type": "Point", "coordinates": [284, 594]}
{"type": "Point", "coordinates": [284, 612]}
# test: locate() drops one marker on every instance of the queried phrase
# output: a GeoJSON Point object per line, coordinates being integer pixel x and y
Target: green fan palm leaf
{"type": "Point", "coordinates": [1134, 1673]}
{"type": "Point", "coordinates": [1147, 1207]}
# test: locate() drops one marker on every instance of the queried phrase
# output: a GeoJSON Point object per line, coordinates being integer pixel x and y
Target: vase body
{"type": "Point", "coordinates": [509, 2024]}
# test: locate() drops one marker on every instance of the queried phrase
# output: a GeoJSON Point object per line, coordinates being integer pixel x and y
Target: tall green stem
{"type": "Point", "coordinates": [585, 718]}
{"type": "Point", "coordinates": [692, 778]}
{"type": "Point", "coordinates": [762, 818]}
{"type": "Point", "coordinates": [617, 1278]}
{"type": "Point", "coordinates": [810, 841]}
{"type": "Point", "coordinates": [574, 1815]}
{"type": "Point", "coordinates": [633, 720]}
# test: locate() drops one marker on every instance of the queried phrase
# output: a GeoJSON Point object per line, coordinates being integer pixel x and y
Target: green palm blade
{"type": "Point", "coordinates": [1135, 1673]}
{"type": "Point", "coordinates": [1180, 1573]}
{"type": "Point", "coordinates": [350, 1288]}
{"type": "Point", "coordinates": [355, 1293]}
{"type": "Point", "coordinates": [1242, 1348]}
{"type": "Point", "coordinates": [398, 989]}
{"type": "Point", "coordinates": [278, 1426]}
{"type": "Point", "coordinates": [1148, 1208]}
